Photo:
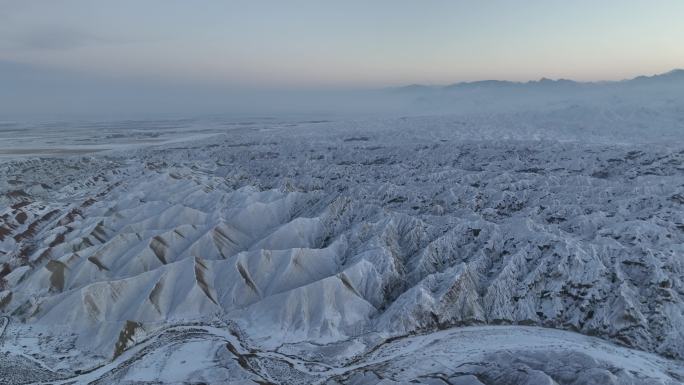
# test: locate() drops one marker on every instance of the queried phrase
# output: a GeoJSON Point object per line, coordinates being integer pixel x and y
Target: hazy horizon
{"type": "Point", "coordinates": [43, 94]}
{"type": "Point", "coordinates": [130, 57]}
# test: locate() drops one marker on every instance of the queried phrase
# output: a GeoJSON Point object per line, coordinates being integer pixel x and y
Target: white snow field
{"type": "Point", "coordinates": [536, 246]}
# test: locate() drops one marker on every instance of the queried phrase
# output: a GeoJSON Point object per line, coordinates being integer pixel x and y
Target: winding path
{"type": "Point", "coordinates": [450, 346]}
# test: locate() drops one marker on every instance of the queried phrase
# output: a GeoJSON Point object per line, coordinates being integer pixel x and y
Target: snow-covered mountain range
{"type": "Point", "coordinates": [516, 247]}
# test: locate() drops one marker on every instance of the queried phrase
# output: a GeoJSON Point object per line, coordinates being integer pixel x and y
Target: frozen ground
{"type": "Point", "coordinates": [536, 247]}
{"type": "Point", "coordinates": [22, 139]}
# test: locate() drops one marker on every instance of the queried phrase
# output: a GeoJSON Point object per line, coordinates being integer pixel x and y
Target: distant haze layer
{"type": "Point", "coordinates": [131, 58]}
{"type": "Point", "coordinates": [306, 43]}
{"type": "Point", "coordinates": [39, 94]}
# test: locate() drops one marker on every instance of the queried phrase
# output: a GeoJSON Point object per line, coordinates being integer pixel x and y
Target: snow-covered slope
{"type": "Point", "coordinates": [466, 356]}
{"type": "Point", "coordinates": [319, 247]}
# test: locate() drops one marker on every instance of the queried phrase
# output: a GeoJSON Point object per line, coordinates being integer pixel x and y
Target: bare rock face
{"type": "Point", "coordinates": [332, 247]}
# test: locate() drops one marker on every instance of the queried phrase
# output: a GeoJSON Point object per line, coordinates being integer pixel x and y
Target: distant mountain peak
{"type": "Point", "coordinates": [544, 81]}
{"type": "Point", "coordinates": [675, 72]}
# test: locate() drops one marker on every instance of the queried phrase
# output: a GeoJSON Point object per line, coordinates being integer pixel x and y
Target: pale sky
{"type": "Point", "coordinates": [350, 43]}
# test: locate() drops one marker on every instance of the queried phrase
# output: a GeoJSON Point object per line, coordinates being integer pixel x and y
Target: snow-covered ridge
{"type": "Point", "coordinates": [326, 240]}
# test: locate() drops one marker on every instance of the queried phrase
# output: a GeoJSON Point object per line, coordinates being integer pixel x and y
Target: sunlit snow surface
{"type": "Point", "coordinates": [433, 250]}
